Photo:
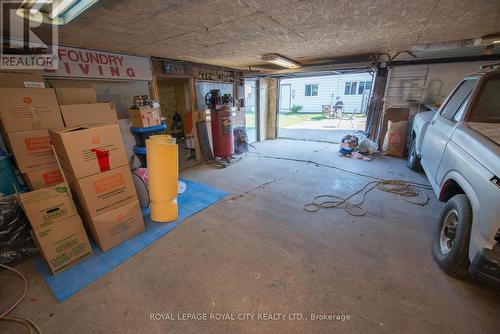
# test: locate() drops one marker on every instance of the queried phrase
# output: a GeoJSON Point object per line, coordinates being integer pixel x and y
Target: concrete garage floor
{"type": "Point", "coordinates": [257, 251]}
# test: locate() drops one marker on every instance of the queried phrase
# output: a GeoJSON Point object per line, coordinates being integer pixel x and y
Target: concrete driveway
{"type": "Point", "coordinates": [326, 130]}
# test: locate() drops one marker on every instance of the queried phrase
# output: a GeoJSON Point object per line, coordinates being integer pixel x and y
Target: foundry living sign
{"type": "Point", "coordinates": [94, 64]}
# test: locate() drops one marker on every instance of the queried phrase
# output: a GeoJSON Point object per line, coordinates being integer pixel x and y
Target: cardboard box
{"type": "Point", "coordinates": [90, 149]}
{"type": "Point", "coordinates": [90, 113]}
{"type": "Point", "coordinates": [44, 206]}
{"type": "Point", "coordinates": [116, 226]}
{"type": "Point", "coordinates": [103, 192]}
{"type": "Point", "coordinates": [73, 93]}
{"type": "Point", "coordinates": [26, 109]}
{"type": "Point", "coordinates": [43, 178]}
{"type": "Point", "coordinates": [32, 150]}
{"type": "Point", "coordinates": [22, 78]}
{"type": "Point", "coordinates": [145, 116]}
{"type": "Point", "coordinates": [63, 243]}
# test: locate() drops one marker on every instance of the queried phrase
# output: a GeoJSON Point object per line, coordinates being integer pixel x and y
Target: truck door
{"type": "Point", "coordinates": [442, 126]}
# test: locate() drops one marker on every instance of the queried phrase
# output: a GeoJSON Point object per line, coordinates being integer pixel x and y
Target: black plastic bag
{"type": "Point", "coordinates": [15, 240]}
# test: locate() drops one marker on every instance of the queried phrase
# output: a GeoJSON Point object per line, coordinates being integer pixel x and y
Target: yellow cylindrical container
{"type": "Point", "coordinates": [163, 138]}
{"type": "Point", "coordinates": [163, 175]}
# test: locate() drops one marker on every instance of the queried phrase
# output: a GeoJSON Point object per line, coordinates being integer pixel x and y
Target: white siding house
{"type": "Point", "coordinates": [313, 92]}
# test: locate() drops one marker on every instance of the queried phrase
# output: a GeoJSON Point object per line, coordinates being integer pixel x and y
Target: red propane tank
{"type": "Point", "coordinates": [222, 131]}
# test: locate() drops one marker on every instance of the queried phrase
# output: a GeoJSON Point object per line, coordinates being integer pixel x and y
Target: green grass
{"type": "Point", "coordinates": [294, 118]}
{"type": "Point", "coordinates": [285, 119]}
{"type": "Point", "coordinates": [359, 116]}
{"type": "Point", "coordinates": [249, 121]}
{"type": "Point", "coordinates": [290, 118]}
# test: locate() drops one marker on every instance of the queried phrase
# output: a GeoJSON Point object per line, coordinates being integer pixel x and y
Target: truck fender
{"type": "Point", "coordinates": [419, 137]}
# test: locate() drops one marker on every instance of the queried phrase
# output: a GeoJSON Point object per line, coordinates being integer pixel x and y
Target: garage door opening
{"type": "Point", "coordinates": [323, 108]}
{"type": "Point", "coordinates": [251, 109]}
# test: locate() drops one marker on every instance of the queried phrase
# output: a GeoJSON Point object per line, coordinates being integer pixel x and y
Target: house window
{"type": "Point", "coordinates": [350, 88]}
{"type": "Point", "coordinates": [311, 90]}
{"type": "Point", "coordinates": [357, 88]}
{"type": "Point", "coordinates": [364, 86]}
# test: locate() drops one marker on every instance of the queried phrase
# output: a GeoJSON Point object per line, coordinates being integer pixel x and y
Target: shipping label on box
{"type": "Point", "coordinates": [26, 109]}
{"type": "Point", "coordinates": [44, 206]}
{"type": "Point", "coordinates": [63, 243]}
{"type": "Point", "coordinates": [116, 226]}
{"type": "Point", "coordinates": [89, 150]}
{"type": "Point", "coordinates": [32, 150]}
{"type": "Point", "coordinates": [91, 113]}
{"type": "Point", "coordinates": [43, 178]}
{"type": "Point", "coordinates": [103, 192]}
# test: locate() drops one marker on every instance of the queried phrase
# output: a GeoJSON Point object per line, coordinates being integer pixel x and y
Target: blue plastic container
{"type": "Point", "coordinates": [8, 180]}
{"type": "Point", "coordinates": [140, 152]}
{"type": "Point", "coordinates": [141, 134]}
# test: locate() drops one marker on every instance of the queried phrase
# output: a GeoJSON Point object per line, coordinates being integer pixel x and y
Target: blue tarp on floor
{"type": "Point", "coordinates": [197, 197]}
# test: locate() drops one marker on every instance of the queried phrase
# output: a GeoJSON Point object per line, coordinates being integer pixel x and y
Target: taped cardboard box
{"type": "Point", "coordinates": [47, 205]}
{"type": "Point", "coordinates": [103, 192]}
{"type": "Point", "coordinates": [22, 78]}
{"type": "Point", "coordinates": [145, 116]}
{"type": "Point", "coordinates": [57, 229]}
{"type": "Point", "coordinates": [27, 109]}
{"type": "Point", "coordinates": [73, 93]}
{"type": "Point", "coordinates": [43, 178]}
{"type": "Point", "coordinates": [91, 113]}
{"type": "Point", "coordinates": [88, 150]}
{"type": "Point", "coordinates": [116, 226]}
{"type": "Point", "coordinates": [63, 243]}
{"type": "Point", "coordinates": [32, 150]}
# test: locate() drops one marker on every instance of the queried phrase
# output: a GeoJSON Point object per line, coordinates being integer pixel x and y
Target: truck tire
{"type": "Point", "coordinates": [413, 161]}
{"type": "Point", "coordinates": [451, 241]}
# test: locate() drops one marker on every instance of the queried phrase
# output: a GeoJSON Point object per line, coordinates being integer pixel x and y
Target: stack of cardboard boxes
{"type": "Point", "coordinates": [27, 114]}
{"type": "Point", "coordinates": [92, 156]}
{"type": "Point", "coordinates": [57, 229]}
{"type": "Point", "coordinates": [27, 111]}
{"type": "Point", "coordinates": [94, 162]}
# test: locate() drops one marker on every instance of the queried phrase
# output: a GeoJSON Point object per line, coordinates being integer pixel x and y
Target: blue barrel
{"type": "Point", "coordinates": [8, 180]}
{"type": "Point", "coordinates": [141, 134]}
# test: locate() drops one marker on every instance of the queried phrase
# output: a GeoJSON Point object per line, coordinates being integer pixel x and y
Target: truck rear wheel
{"type": "Point", "coordinates": [451, 241]}
{"type": "Point", "coordinates": [413, 161]}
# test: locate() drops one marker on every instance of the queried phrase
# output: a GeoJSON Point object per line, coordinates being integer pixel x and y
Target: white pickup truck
{"type": "Point", "coordinates": [458, 148]}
